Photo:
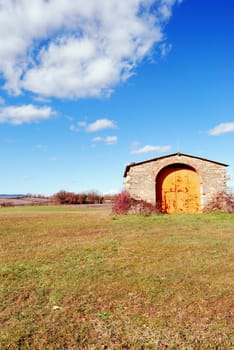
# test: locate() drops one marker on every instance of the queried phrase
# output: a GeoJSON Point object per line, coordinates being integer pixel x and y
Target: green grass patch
{"type": "Point", "coordinates": [73, 278]}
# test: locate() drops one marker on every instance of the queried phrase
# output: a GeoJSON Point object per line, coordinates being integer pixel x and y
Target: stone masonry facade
{"type": "Point", "coordinates": [140, 178]}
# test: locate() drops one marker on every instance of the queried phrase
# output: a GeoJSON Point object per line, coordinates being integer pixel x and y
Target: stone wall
{"type": "Point", "coordinates": [140, 178]}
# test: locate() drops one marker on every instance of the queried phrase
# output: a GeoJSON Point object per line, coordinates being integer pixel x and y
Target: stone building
{"type": "Point", "coordinates": [176, 182]}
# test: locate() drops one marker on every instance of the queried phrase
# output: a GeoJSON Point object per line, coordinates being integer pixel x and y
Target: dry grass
{"type": "Point", "coordinates": [75, 278]}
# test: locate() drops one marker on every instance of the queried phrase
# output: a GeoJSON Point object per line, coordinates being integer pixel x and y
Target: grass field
{"type": "Point", "coordinates": [73, 278]}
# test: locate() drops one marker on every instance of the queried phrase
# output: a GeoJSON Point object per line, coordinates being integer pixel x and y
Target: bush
{"type": "Point", "coordinates": [94, 197]}
{"type": "Point", "coordinates": [7, 204]}
{"type": "Point", "coordinates": [124, 204]}
{"type": "Point", "coordinates": [222, 201]}
{"type": "Point", "coordinates": [81, 198]}
{"type": "Point", "coordinates": [143, 208]}
{"type": "Point", "coordinates": [61, 197]}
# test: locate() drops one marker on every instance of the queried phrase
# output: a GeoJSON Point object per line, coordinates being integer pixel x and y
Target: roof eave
{"type": "Point", "coordinates": [128, 166]}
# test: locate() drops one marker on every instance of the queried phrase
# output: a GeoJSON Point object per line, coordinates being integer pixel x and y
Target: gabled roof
{"type": "Point", "coordinates": [168, 156]}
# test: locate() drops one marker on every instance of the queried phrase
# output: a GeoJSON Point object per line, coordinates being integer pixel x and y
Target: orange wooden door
{"type": "Point", "coordinates": [181, 191]}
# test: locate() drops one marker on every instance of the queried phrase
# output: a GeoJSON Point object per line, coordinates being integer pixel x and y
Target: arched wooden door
{"type": "Point", "coordinates": [178, 190]}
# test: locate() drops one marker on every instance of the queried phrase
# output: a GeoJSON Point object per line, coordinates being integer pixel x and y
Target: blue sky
{"type": "Point", "coordinates": [89, 86]}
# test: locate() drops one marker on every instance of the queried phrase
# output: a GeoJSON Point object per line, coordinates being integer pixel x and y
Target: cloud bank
{"type": "Point", "coordinates": [108, 140]}
{"type": "Point", "coordinates": [222, 128]}
{"type": "Point", "coordinates": [24, 114]}
{"type": "Point", "coordinates": [150, 149]}
{"type": "Point", "coordinates": [99, 124]}
{"type": "Point", "coordinates": [77, 48]}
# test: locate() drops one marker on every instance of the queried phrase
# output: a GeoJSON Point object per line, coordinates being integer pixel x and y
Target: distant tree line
{"type": "Point", "coordinates": [64, 197]}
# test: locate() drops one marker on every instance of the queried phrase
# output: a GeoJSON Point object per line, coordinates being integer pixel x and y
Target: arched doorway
{"type": "Point", "coordinates": [178, 189]}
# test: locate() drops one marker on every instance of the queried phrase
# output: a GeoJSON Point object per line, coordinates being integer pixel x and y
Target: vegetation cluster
{"type": "Point", "coordinates": [64, 197]}
{"type": "Point", "coordinates": [124, 204]}
{"type": "Point", "coordinates": [222, 201]}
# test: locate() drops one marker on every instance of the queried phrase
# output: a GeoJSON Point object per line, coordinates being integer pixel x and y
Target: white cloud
{"type": "Point", "coordinates": [165, 49]}
{"type": "Point", "coordinates": [222, 128]}
{"type": "Point", "coordinates": [100, 124]}
{"type": "Point", "coordinates": [82, 124]}
{"type": "Point", "coordinates": [74, 128]}
{"type": "Point", "coordinates": [77, 48]}
{"type": "Point", "coordinates": [68, 117]}
{"type": "Point", "coordinates": [2, 101]}
{"type": "Point", "coordinates": [97, 139]}
{"type": "Point", "coordinates": [150, 149]}
{"type": "Point", "coordinates": [109, 140]}
{"type": "Point", "coordinates": [24, 114]}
